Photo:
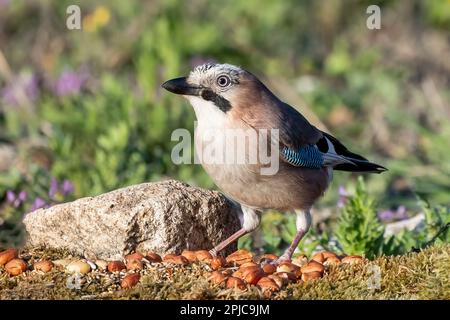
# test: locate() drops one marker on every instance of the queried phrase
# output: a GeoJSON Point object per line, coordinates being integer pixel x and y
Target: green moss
{"type": "Point", "coordinates": [423, 275]}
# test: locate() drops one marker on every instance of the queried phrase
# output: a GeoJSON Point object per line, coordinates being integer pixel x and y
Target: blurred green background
{"type": "Point", "coordinates": [82, 111]}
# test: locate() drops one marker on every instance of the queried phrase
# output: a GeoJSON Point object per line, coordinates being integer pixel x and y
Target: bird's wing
{"type": "Point", "coordinates": [329, 152]}
{"type": "Point", "coordinates": [295, 130]}
{"type": "Point", "coordinates": [303, 145]}
{"type": "Point", "coordinates": [356, 162]}
{"type": "Point", "coordinates": [315, 156]}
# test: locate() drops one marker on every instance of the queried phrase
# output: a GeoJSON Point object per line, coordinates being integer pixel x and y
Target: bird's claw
{"type": "Point", "coordinates": [213, 252]}
{"type": "Point", "coordinates": [283, 258]}
{"type": "Point", "coordinates": [276, 262]}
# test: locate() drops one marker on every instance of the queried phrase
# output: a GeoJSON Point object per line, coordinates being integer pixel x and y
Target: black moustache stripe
{"type": "Point", "coordinates": [219, 101]}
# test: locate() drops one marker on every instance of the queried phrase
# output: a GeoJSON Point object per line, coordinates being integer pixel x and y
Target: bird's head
{"type": "Point", "coordinates": [222, 86]}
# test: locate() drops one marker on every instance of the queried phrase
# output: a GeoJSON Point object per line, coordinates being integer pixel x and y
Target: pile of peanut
{"type": "Point", "coordinates": [238, 270]}
{"type": "Point", "coordinates": [241, 269]}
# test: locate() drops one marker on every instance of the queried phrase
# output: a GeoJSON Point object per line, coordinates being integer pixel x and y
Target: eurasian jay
{"type": "Point", "coordinates": [226, 97]}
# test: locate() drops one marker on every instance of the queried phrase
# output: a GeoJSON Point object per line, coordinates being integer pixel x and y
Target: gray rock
{"type": "Point", "coordinates": [162, 217]}
{"type": "Point", "coordinates": [415, 223]}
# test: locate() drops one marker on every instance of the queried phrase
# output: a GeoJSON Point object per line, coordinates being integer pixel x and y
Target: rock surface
{"type": "Point", "coordinates": [163, 217]}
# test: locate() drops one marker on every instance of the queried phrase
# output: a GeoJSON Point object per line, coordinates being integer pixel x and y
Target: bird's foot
{"type": "Point", "coordinates": [283, 258]}
{"type": "Point", "coordinates": [277, 262]}
{"type": "Point", "coordinates": [213, 252]}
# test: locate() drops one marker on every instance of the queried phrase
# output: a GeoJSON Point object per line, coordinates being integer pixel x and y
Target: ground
{"type": "Point", "coordinates": [423, 275]}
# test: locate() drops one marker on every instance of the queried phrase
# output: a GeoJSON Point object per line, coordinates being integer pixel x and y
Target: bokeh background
{"type": "Point", "coordinates": [82, 111]}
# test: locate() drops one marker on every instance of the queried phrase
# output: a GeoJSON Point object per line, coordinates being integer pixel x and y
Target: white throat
{"type": "Point", "coordinates": [209, 132]}
{"type": "Point", "coordinates": [208, 115]}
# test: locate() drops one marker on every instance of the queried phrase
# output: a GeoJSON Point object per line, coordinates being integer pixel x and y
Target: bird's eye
{"type": "Point", "coordinates": [223, 81]}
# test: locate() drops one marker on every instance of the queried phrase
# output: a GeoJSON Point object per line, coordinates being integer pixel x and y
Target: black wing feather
{"type": "Point", "coordinates": [341, 149]}
{"type": "Point", "coordinates": [361, 164]}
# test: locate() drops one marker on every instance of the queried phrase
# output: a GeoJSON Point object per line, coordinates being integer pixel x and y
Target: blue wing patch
{"type": "Point", "coordinates": [307, 156]}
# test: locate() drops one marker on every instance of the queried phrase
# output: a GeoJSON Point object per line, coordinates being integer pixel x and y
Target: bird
{"type": "Point", "coordinates": [227, 97]}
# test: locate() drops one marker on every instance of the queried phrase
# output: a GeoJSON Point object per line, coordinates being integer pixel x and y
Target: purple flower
{"type": "Point", "coordinates": [54, 188]}
{"type": "Point", "coordinates": [26, 84]}
{"type": "Point", "coordinates": [343, 194]}
{"type": "Point", "coordinates": [389, 215]}
{"type": "Point", "coordinates": [67, 187]}
{"type": "Point", "coordinates": [22, 196]}
{"type": "Point", "coordinates": [38, 203]}
{"type": "Point", "coordinates": [70, 82]}
{"type": "Point", "coordinates": [10, 196]}
{"type": "Point", "coordinates": [4, 3]}
{"type": "Point", "coordinates": [386, 215]}
{"type": "Point", "coordinates": [16, 200]}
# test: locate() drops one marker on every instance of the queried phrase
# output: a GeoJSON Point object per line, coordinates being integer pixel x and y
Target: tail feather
{"type": "Point", "coordinates": [354, 162]}
{"type": "Point", "coordinates": [360, 166]}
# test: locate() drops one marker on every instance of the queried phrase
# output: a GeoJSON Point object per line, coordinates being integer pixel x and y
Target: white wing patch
{"type": "Point", "coordinates": [331, 158]}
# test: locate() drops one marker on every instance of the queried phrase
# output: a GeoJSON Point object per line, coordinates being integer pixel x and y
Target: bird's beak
{"type": "Point", "coordinates": [180, 86]}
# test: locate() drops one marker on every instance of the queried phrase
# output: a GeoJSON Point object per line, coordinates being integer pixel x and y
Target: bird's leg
{"type": "Point", "coordinates": [251, 222]}
{"type": "Point", "coordinates": [227, 242]}
{"type": "Point", "coordinates": [303, 223]}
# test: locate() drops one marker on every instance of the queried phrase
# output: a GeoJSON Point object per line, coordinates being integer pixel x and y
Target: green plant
{"type": "Point", "coordinates": [359, 231]}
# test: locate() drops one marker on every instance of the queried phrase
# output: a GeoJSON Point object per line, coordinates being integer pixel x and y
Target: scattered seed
{"type": "Point", "coordinates": [217, 263]}
{"type": "Point", "coordinates": [318, 257]}
{"type": "Point", "coordinates": [313, 266]}
{"type": "Point", "coordinates": [190, 255]}
{"type": "Point", "coordinates": [352, 259]}
{"type": "Point", "coordinates": [288, 267]}
{"type": "Point", "coordinates": [236, 283]}
{"type": "Point", "coordinates": [331, 261]}
{"type": "Point", "coordinates": [239, 257]}
{"type": "Point", "coordinates": [311, 276]}
{"type": "Point", "coordinates": [78, 266]}
{"type": "Point", "coordinates": [130, 280]}
{"type": "Point", "coordinates": [43, 265]}
{"type": "Point", "coordinates": [134, 265]}
{"type": "Point", "coordinates": [269, 256]}
{"type": "Point", "coordinates": [62, 262]}
{"type": "Point", "coordinates": [203, 255]}
{"type": "Point", "coordinates": [135, 256]}
{"type": "Point", "coordinates": [328, 254]}
{"type": "Point", "coordinates": [248, 264]}
{"type": "Point", "coordinates": [300, 260]}
{"type": "Point", "coordinates": [153, 257]}
{"type": "Point", "coordinates": [286, 276]}
{"type": "Point", "coordinates": [269, 268]}
{"type": "Point", "coordinates": [280, 281]}
{"type": "Point", "coordinates": [266, 283]}
{"type": "Point", "coordinates": [115, 266]}
{"type": "Point", "coordinates": [217, 277]}
{"type": "Point", "coordinates": [7, 255]}
{"type": "Point", "coordinates": [174, 259]}
{"type": "Point", "coordinates": [15, 267]}
{"type": "Point", "coordinates": [252, 275]}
